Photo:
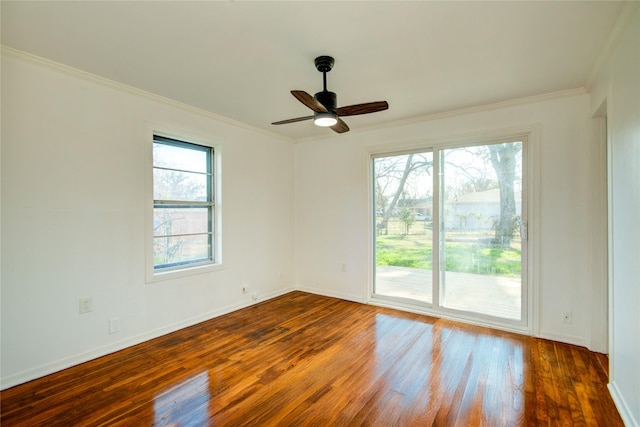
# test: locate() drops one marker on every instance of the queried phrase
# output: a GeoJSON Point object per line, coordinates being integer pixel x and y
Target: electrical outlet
{"type": "Point", "coordinates": [343, 268]}
{"type": "Point", "coordinates": [254, 296]}
{"type": "Point", "coordinates": [85, 305]}
{"type": "Point", "coordinates": [114, 325]}
{"type": "Point", "coordinates": [245, 288]}
{"type": "Point", "coordinates": [566, 317]}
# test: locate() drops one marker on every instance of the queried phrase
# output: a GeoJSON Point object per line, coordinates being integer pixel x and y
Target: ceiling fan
{"type": "Point", "coordinates": [324, 103]}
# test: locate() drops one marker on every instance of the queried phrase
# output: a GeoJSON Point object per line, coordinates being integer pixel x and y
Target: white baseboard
{"type": "Point", "coordinates": [625, 413]}
{"type": "Point", "coordinates": [339, 295]}
{"type": "Point", "coordinates": [567, 339]}
{"type": "Point", "coordinates": [59, 365]}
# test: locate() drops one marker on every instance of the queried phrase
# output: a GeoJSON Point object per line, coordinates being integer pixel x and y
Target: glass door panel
{"type": "Point", "coordinates": [403, 202]}
{"type": "Point", "coordinates": [480, 249]}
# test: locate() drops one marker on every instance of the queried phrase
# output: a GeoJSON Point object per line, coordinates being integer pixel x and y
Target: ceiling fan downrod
{"type": "Point", "coordinates": [324, 64]}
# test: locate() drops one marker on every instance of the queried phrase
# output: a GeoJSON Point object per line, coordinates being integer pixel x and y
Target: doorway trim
{"type": "Point", "coordinates": [599, 244]}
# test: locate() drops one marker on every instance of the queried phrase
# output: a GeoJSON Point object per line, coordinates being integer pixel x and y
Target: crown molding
{"type": "Point", "coordinates": [495, 106]}
{"type": "Point", "coordinates": [463, 111]}
{"type": "Point", "coordinates": [75, 72]}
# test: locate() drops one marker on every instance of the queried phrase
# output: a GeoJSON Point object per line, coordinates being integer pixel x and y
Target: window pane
{"type": "Point", "coordinates": [403, 197]}
{"type": "Point", "coordinates": [181, 186]}
{"type": "Point", "coordinates": [172, 221]}
{"type": "Point", "coordinates": [192, 158]}
{"type": "Point", "coordinates": [183, 220]}
{"type": "Point", "coordinates": [480, 247]}
{"type": "Point", "coordinates": [172, 251]}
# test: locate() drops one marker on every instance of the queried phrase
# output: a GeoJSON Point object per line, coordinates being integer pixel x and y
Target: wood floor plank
{"type": "Point", "coordinates": [309, 360]}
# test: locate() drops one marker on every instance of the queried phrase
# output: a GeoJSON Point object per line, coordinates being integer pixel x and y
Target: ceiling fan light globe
{"type": "Point", "coordinates": [325, 119]}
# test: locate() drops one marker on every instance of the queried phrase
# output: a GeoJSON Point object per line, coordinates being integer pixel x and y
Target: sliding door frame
{"type": "Point", "coordinates": [529, 135]}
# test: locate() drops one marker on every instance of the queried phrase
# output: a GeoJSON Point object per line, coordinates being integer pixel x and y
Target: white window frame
{"type": "Point", "coordinates": [153, 274]}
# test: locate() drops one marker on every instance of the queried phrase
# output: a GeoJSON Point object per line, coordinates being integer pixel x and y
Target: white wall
{"type": "Point", "coordinates": [332, 205]}
{"type": "Point", "coordinates": [73, 219]}
{"type": "Point", "coordinates": [619, 87]}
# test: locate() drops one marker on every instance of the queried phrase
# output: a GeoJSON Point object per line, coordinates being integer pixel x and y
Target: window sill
{"type": "Point", "coordinates": [154, 276]}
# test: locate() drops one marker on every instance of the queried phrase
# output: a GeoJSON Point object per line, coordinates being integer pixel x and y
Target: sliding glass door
{"type": "Point", "coordinates": [459, 209]}
{"type": "Point", "coordinates": [403, 205]}
{"type": "Point", "coordinates": [479, 234]}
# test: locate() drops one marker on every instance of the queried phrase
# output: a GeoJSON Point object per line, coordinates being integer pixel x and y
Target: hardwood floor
{"type": "Point", "coordinates": [308, 360]}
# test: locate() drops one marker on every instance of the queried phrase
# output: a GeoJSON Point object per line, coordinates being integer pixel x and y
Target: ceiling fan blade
{"type": "Point", "coordinates": [369, 107]}
{"type": "Point", "coordinates": [340, 127]}
{"type": "Point", "coordinates": [297, 119]}
{"type": "Point", "coordinates": [309, 101]}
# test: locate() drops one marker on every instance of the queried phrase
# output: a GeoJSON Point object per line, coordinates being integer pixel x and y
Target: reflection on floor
{"type": "Point", "coordinates": [479, 293]}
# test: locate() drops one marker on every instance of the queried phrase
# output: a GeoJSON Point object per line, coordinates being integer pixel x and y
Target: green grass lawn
{"type": "Point", "coordinates": [415, 251]}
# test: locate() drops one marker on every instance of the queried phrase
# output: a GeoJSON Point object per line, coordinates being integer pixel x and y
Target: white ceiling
{"type": "Point", "coordinates": [240, 59]}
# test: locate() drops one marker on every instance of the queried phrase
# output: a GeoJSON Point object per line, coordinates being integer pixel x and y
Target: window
{"type": "Point", "coordinates": [183, 205]}
{"type": "Point", "coordinates": [450, 233]}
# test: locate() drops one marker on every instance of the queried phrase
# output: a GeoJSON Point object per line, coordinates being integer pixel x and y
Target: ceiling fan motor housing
{"type": "Point", "coordinates": [324, 63]}
{"type": "Point", "coordinates": [328, 99]}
